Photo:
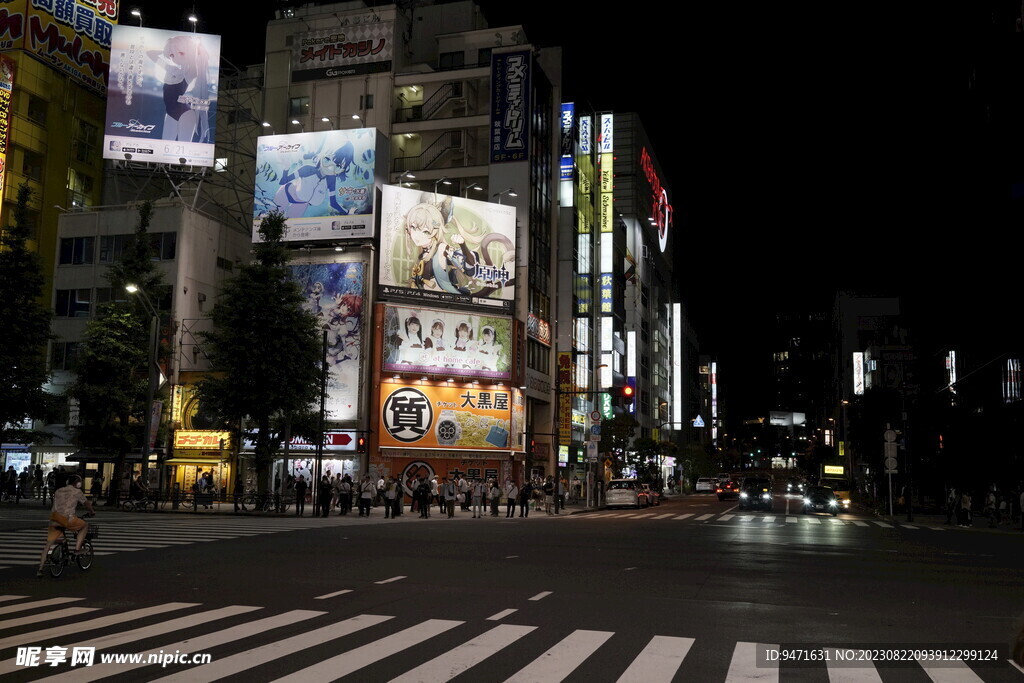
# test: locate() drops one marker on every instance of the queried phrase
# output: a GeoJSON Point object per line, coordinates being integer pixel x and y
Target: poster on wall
{"type": "Point", "coordinates": [334, 294]}
{"type": "Point", "coordinates": [322, 182]}
{"type": "Point", "coordinates": [510, 106]}
{"type": "Point", "coordinates": [433, 341]}
{"type": "Point", "coordinates": [455, 418]}
{"type": "Point", "coordinates": [440, 249]}
{"type": "Point", "coordinates": [162, 100]}
{"type": "Point", "coordinates": [363, 47]}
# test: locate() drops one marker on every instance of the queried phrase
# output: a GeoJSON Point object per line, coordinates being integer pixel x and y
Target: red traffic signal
{"type": "Point", "coordinates": [627, 395]}
{"type": "Point", "coordinates": [361, 444]}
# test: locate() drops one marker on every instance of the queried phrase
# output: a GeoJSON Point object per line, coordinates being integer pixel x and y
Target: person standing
{"type": "Point", "coordinates": [396, 510]}
{"type": "Point", "coordinates": [479, 491]}
{"type": "Point", "coordinates": [37, 483]}
{"type": "Point", "coordinates": [495, 498]}
{"type": "Point", "coordinates": [95, 490]}
{"type": "Point", "coordinates": [951, 500]}
{"type": "Point", "coordinates": [423, 491]}
{"type": "Point", "coordinates": [451, 492]}
{"type": "Point", "coordinates": [435, 494]}
{"type": "Point", "coordinates": [525, 494]}
{"type": "Point", "coordinates": [389, 497]}
{"type": "Point", "coordinates": [511, 496]}
{"type": "Point", "coordinates": [335, 492]}
{"type": "Point", "coordinates": [990, 509]}
{"type": "Point", "coordinates": [464, 493]}
{"type": "Point", "coordinates": [323, 496]}
{"type": "Point", "coordinates": [300, 495]}
{"type": "Point", "coordinates": [367, 491]}
{"type": "Point", "coordinates": [965, 509]}
{"type": "Point", "coordinates": [345, 495]}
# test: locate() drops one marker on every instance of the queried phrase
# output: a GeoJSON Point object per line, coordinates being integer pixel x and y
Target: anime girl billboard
{"type": "Point", "coordinates": [162, 96]}
{"type": "Point", "coordinates": [334, 294]}
{"type": "Point", "coordinates": [440, 249]}
{"type": "Point", "coordinates": [322, 182]}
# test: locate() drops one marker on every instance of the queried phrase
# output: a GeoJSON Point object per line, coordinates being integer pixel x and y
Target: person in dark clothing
{"type": "Point", "coordinates": [525, 494]}
{"type": "Point", "coordinates": [324, 496]}
{"type": "Point", "coordinates": [300, 495]}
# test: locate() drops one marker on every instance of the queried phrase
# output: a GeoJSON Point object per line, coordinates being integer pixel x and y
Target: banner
{"type": "Point", "coordinates": [430, 341]}
{"type": "Point", "coordinates": [440, 249]}
{"type": "Point", "coordinates": [455, 418]}
{"type": "Point", "coordinates": [322, 182]}
{"type": "Point", "coordinates": [334, 294]}
{"type": "Point", "coordinates": [6, 88]}
{"type": "Point", "coordinates": [162, 103]}
{"type": "Point", "coordinates": [510, 106]}
{"type": "Point", "coordinates": [362, 48]}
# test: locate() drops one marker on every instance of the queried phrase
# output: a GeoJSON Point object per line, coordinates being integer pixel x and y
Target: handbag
{"type": "Point", "coordinates": [461, 498]}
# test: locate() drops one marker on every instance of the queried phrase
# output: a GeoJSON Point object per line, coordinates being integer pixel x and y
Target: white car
{"type": "Point", "coordinates": [624, 493]}
{"type": "Point", "coordinates": [705, 484]}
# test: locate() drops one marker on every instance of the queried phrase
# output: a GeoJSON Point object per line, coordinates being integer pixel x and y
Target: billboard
{"type": "Point", "coordinates": [443, 417]}
{"type": "Point", "coordinates": [72, 36]}
{"type": "Point", "coordinates": [362, 48]}
{"type": "Point", "coordinates": [334, 294]}
{"type": "Point", "coordinates": [322, 182]}
{"type": "Point", "coordinates": [510, 106]}
{"type": "Point", "coordinates": [162, 100]}
{"type": "Point", "coordinates": [6, 88]}
{"type": "Point", "coordinates": [443, 342]}
{"type": "Point", "coordinates": [440, 249]}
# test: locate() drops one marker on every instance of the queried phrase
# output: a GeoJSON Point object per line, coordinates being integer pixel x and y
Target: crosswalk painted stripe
{"type": "Point", "coordinates": [744, 665]}
{"type": "Point", "coordinates": [197, 644]}
{"type": "Point", "coordinates": [883, 525]}
{"type": "Point", "coordinates": [746, 518]}
{"type": "Point", "coordinates": [465, 656]}
{"type": "Point", "coordinates": [646, 514]}
{"type": "Point", "coordinates": [353, 660]}
{"type": "Point", "coordinates": [703, 517]}
{"type": "Point", "coordinates": [813, 520]}
{"type": "Point", "coordinates": [688, 514]}
{"type": "Point", "coordinates": [244, 661]}
{"type": "Point", "coordinates": [540, 596]}
{"type": "Point", "coordinates": [334, 594]}
{"type": "Point", "coordinates": [92, 624]}
{"type": "Point", "coordinates": [839, 672]}
{"type": "Point", "coordinates": [562, 659]}
{"type": "Point", "coordinates": [665, 516]}
{"type": "Point", "coordinates": [791, 520]}
{"type": "Point", "coordinates": [858, 522]}
{"type": "Point", "coordinates": [837, 522]}
{"type": "Point", "coordinates": [46, 616]}
{"type": "Point", "coordinates": [659, 661]}
{"type": "Point", "coordinates": [768, 519]}
{"type": "Point", "coordinates": [502, 614]}
{"type": "Point", "coordinates": [21, 607]}
{"type": "Point", "coordinates": [726, 518]}
{"type": "Point", "coordinates": [908, 526]}
{"type": "Point", "coordinates": [7, 598]}
{"type": "Point", "coordinates": [949, 672]}
{"type": "Point", "coordinates": [21, 563]}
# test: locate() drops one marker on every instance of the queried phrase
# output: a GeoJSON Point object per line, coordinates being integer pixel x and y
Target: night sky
{"type": "Point", "coordinates": [806, 147]}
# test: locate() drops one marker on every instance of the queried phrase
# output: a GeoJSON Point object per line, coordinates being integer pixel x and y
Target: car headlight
{"type": "Point", "coordinates": [807, 501]}
{"type": "Point", "coordinates": [833, 502]}
{"type": "Point", "coordinates": [846, 501]}
{"type": "Point", "coordinates": [766, 496]}
{"type": "Point", "coordinates": [743, 495]}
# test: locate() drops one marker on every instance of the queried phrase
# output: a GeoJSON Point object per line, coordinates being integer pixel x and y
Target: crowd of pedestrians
{"type": "Point", "coordinates": [30, 483]}
{"type": "Point", "coordinates": [999, 507]}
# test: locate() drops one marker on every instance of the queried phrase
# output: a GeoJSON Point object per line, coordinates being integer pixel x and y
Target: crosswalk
{"type": "Point", "coordinates": [22, 547]}
{"type": "Point", "coordinates": [320, 645]}
{"type": "Point", "coordinates": [763, 519]}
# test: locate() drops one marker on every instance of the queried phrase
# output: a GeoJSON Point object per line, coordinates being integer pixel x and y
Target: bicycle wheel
{"type": "Point", "coordinates": [85, 556]}
{"type": "Point", "coordinates": [58, 558]}
{"type": "Point", "coordinates": [128, 506]}
{"type": "Point", "coordinates": [187, 503]}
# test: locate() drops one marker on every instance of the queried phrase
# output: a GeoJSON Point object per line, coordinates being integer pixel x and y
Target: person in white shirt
{"type": "Point", "coordinates": [495, 498]}
{"type": "Point", "coordinates": [479, 490]}
{"type": "Point", "coordinates": [511, 495]}
{"type": "Point", "coordinates": [464, 492]}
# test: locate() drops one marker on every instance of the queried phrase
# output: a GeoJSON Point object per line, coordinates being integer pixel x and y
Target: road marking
{"type": "Point", "coordinates": [334, 594]}
{"type": "Point", "coordinates": [768, 519]}
{"type": "Point", "coordinates": [282, 648]}
{"type": "Point", "coordinates": [502, 614]}
{"type": "Point", "coordinates": [744, 664]}
{"type": "Point", "coordinates": [46, 616]}
{"type": "Point", "coordinates": [665, 516]}
{"type": "Point", "coordinates": [10, 609]}
{"type": "Point", "coordinates": [393, 578]}
{"type": "Point", "coordinates": [646, 514]}
{"type": "Point", "coordinates": [813, 520]}
{"type": "Point", "coordinates": [703, 517]}
{"type": "Point", "coordinates": [858, 522]}
{"type": "Point", "coordinates": [837, 522]}
{"type": "Point", "coordinates": [629, 569]}
{"type": "Point", "coordinates": [659, 661]}
{"type": "Point", "coordinates": [1016, 665]}
{"type": "Point", "coordinates": [844, 673]}
{"type": "Point", "coordinates": [465, 656]}
{"type": "Point", "coordinates": [562, 659]}
{"type": "Point", "coordinates": [633, 514]}
{"type": "Point", "coordinates": [746, 518]}
{"type": "Point", "coordinates": [884, 525]}
{"type": "Point", "coordinates": [511, 557]}
{"type": "Point", "coordinates": [726, 518]}
{"type": "Point", "coordinates": [540, 596]}
{"type": "Point", "coordinates": [5, 598]}
{"type": "Point", "coordinates": [908, 526]}
{"type": "Point", "coordinates": [949, 672]}
{"type": "Point", "coordinates": [689, 514]}
{"type": "Point", "coordinates": [353, 660]}
{"type": "Point", "coordinates": [791, 520]}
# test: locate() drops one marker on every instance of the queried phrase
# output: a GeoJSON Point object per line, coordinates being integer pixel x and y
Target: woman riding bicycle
{"type": "Point", "coordinates": [65, 503]}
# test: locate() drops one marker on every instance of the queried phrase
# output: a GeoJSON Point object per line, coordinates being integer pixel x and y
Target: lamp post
{"type": "Point", "coordinates": [474, 186]}
{"type": "Point", "coordinates": [510, 192]}
{"type": "Point", "coordinates": [440, 181]}
{"type": "Point", "coordinates": [328, 121]}
{"type": "Point", "coordinates": [154, 324]}
{"type": "Point", "coordinates": [296, 122]}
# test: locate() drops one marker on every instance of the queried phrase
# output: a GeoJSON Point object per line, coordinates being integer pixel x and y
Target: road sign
{"type": "Point", "coordinates": [890, 463]}
{"type": "Point", "coordinates": [595, 430]}
{"type": "Point", "coordinates": [594, 438]}
{"type": "Point", "coordinates": [595, 416]}
{"type": "Point", "coordinates": [889, 451]}
{"type": "Point", "coordinates": [890, 435]}
{"type": "Point", "coordinates": [592, 451]}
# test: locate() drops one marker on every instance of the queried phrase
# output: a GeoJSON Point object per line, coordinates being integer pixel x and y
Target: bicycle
{"type": "Point", "coordinates": [139, 504]}
{"type": "Point", "coordinates": [60, 554]}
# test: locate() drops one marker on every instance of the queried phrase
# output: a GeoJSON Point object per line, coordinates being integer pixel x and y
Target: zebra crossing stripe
{"type": "Point", "coordinates": [843, 673]}
{"type": "Point", "coordinates": [665, 516]}
{"type": "Point", "coordinates": [746, 518]}
{"type": "Point", "coordinates": [46, 616]}
{"type": "Point", "coordinates": [791, 520]}
{"type": "Point", "coordinates": [353, 660]}
{"type": "Point", "coordinates": [465, 656]}
{"type": "Point", "coordinates": [92, 624]}
{"type": "Point", "coordinates": [726, 518]}
{"type": "Point", "coordinates": [703, 517]}
{"type": "Point", "coordinates": [813, 520]}
{"type": "Point", "coordinates": [908, 526]}
{"type": "Point", "coordinates": [261, 655]}
{"type": "Point", "coordinates": [883, 525]}
{"type": "Point", "coordinates": [689, 514]}
{"type": "Point", "coordinates": [562, 659]}
{"type": "Point", "coordinates": [21, 607]}
{"type": "Point", "coordinates": [744, 665]}
{"type": "Point", "coordinates": [858, 522]}
{"type": "Point", "coordinates": [949, 672]}
{"type": "Point", "coordinates": [837, 522]}
{"type": "Point", "coordinates": [6, 598]}
{"type": "Point", "coordinates": [768, 519]}
{"type": "Point", "coordinates": [659, 661]}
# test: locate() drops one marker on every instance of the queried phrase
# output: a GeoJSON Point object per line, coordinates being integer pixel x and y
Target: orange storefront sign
{"type": "Point", "coordinates": [456, 418]}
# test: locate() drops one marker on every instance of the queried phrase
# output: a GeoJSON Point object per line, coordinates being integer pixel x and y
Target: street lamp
{"type": "Point", "coordinates": [442, 181]}
{"type": "Point", "coordinates": [137, 13]}
{"type": "Point", "coordinates": [296, 122]}
{"type": "Point", "coordinates": [154, 323]}
{"type": "Point", "coordinates": [407, 174]}
{"type": "Point", "coordinates": [474, 186]}
{"type": "Point", "coordinates": [266, 124]}
{"type": "Point", "coordinates": [510, 192]}
{"type": "Point", "coordinates": [328, 121]}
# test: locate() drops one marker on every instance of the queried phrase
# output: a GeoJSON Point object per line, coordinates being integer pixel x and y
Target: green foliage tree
{"type": "Point", "coordinates": [619, 431]}
{"type": "Point", "coordinates": [112, 367]}
{"type": "Point", "coordinates": [24, 331]}
{"type": "Point", "coordinates": [644, 458]}
{"type": "Point", "coordinates": [265, 349]}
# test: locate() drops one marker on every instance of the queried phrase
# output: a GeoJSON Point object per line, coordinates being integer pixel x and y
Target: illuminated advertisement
{"type": "Point", "coordinates": [440, 249]}
{"type": "Point", "coordinates": [162, 101]}
{"type": "Point", "coordinates": [360, 48]}
{"type": "Point", "coordinates": [568, 113]}
{"type": "Point", "coordinates": [661, 210]}
{"type": "Point", "coordinates": [858, 373]}
{"type": "Point", "coordinates": [456, 418]}
{"type": "Point", "coordinates": [510, 106]}
{"type": "Point", "coordinates": [203, 440]}
{"type": "Point", "coordinates": [322, 182]}
{"type": "Point", "coordinates": [430, 341]}
{"type": "Point", "coordinates": [334, 294]}
{"type": "Point", "coordinates": [72, 36]}
{"type": "Point", "coordinates": [6, 87]}
{"type": "Point", "coordinates": [565, 388]}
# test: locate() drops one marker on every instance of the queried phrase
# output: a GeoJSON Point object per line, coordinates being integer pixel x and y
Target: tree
{"type": "Point", "coordinates": [24, 332]}
{"type": "Point", "coordinates": [643, 457]}
{"type": "Point", "coordinates": [112, 368]}
{"type": "Point", "coordinates": [619, 431]}
{"type": "Point", "coordinates": [265, 349]}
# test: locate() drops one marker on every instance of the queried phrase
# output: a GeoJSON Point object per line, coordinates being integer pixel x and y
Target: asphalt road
{"type": "Point", "coordinates": [691, 590]}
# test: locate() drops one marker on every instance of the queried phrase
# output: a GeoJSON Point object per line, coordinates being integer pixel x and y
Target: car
{"type": "Point", "coordinates": [795, 485]}
{"type": "Point", "coordinates": [724, 477]}
{"type": "Point", "coordinates": [729, 489]}
{"type": "Point", "coordinates": [705, 484]}
{"type": "Point", "coordinates": [756, 492]}
{"type": "Point", "coordinates": [624, 493]}
{"type": "Point", "coordinates": [821, 499]}
{"type": "Point", "coordinates": [842, 488]}
{"type": "Point", "coordinates": [653, 498]}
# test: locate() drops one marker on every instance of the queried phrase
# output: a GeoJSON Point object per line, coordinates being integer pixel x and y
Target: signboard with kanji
{"type": "Point", "coordinates": [470, 418]}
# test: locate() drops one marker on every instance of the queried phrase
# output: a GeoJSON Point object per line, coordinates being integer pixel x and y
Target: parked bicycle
{"type": "Point", "coordinates": [265, 502]}
{"type": "Point", "coordinates": [139, 505]}
{"type": "Point", "coordinates": [61, 553]}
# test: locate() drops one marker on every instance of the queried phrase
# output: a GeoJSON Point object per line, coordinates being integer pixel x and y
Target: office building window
{"type": "Point", "coordinates": [76, 251]}
{"type": "Point", "coordinates": [366, 101]}
{"type": "Point", "coordinates": [298, 106]}
{"type": "Point", "coordinates": [538, 356]}
{"type": "Point", "coordinates": [80, 187]}
{"type": "Point", "coordinates": [86, 141]}
{"type": "Point", "coordinates": [112, 246]}
{"type": "Point", "coordinates": [37, 109]}
{"type": "Point", "coordinates": [162, 245]}
{"type": "Point", "coordinates": [32, 164]}
{"type": "Point", "coordinates": [452, 60]}
{"type": "Point", "coordinates": [73, 303]}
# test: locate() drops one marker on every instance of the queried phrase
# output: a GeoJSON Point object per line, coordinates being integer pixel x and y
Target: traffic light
{"type": "Point", "coordinates": [361, 444]}
{"type": "Point", "coordinates": [626, 394]}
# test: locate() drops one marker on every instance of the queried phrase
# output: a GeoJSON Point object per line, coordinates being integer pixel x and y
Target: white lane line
{"type": "Point", "coordinates": [391, 580]}
{"type": "Point", "coordinates": [1016, 666]}
{"type": "Point", "coordinates": [10, 609]}
{"type": "Point", "coordinates": [540, 596]}
{"type": "Point", "coordinates": [562, 658]}
{"type": "Point", "coordinates": [744, 665]}
{"type": "Point", "coordinates": [501, 615]}
{"type": "Point", "coordinates": [21, 563]}
{"type": "Point", "coordinates": [511, 557]}
{"type": "Point", "coordinates": [46, 616]}
{"type": "Point", "coordinates": [353, 660]}
{"type": "Point", "coordinates": [688, 514]}
{"type": "Point", "coordinates": [725, 518]}
{"type": "Point", "coordinates": [665, 516]}
{"type": "Point", "coordinates": [659, 661]}
{"type": "Point", "coordinates": [282, 648]}
{"type": "Point", "coordinates": [334, 594]}
{"type": "Point", "coordinates": [845, 673]}
{"type": "Point", "coordinates": [884, 525]}
{"type": "Point", "coordinates": [934, 528]}
{"type": "Point", "coordinates": [768, 519]}
{"type": "Point", "coordinates": [857, 522]}
{"type": "Point", "coordinates": [791, 520]}
{"type": "Point", "coordinates": [99, 622]}
{"type": "Point", "coordinates": [949, 672]}
{"type": "Point", "coordinates": [465, 656]}
{"type": "Point", "coordinates": [703, 517]}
